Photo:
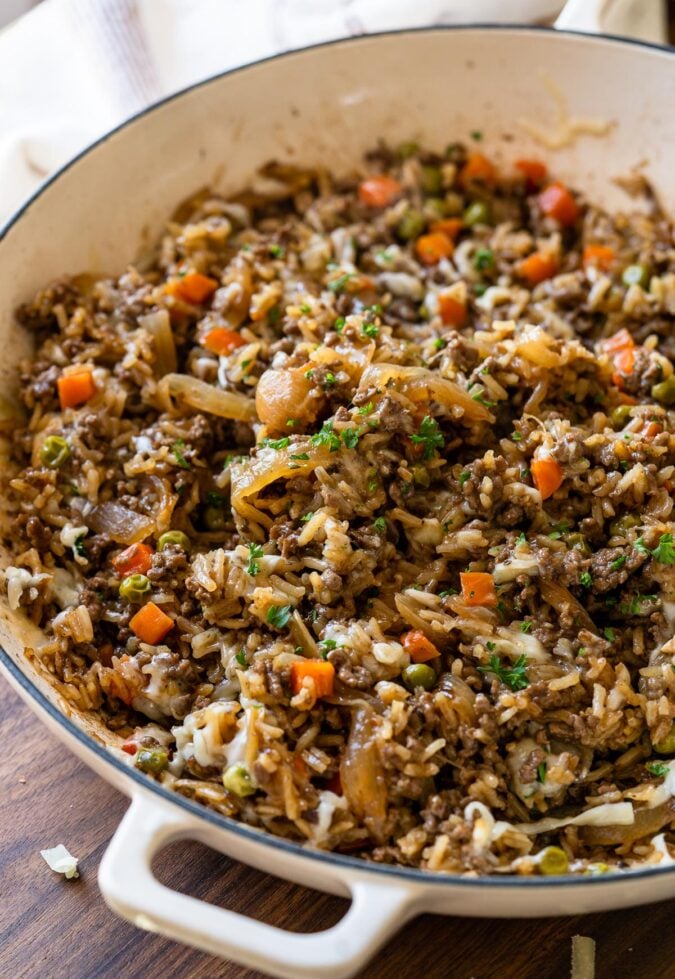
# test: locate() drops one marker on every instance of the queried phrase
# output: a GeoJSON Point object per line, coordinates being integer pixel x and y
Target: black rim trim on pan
{"type": "Point", "coordinates": [201, 811]}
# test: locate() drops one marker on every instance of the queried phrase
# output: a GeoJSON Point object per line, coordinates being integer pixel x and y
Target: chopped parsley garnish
{"type": "Point", "coordinates": [215, 499]}
{"type": "Point", "coordinates": [521, 538]}
{"type": "Point", "coordinates": [483, 259]}
{"type": "Point", "coordinates": [254, 552]}
{"type": "Point", "coordinates": [516, 437]}
{"type": "Point", "coordinates": [329, 379]}
{"type": "Point", "coordinates": [558, 531]}
{"type": "Point", "coordinates": [586, 579]}
{"type": "Point", "coordinates": [281, 443]}
{"type": "Point", "coordinates": [350, 437]}
{"type": "Point", "coordinates": [526, 626]}
{"type": "Point", "coordinates": [373, 481]}
{"type": "Point", "coordinates": [439, 343]}
{"type": "Point", "coordinates": [482, 400]}
{"type": "Point", "coordinates": [480, 288]}
{"type": "Point", "coordinates": [292, 422]}
{"type": "Point", "coordinates": [380, 525]}
{"type": "Point", "coordinates": [278, 615]}
{"type": "Point", "coordinates": [370, 330]}
{"type": "Point", "coordinates": [307, 517]}
{"type": "Point", "coordinates": [491, 646]}
{"type": "Point", "coordinates": [327, 438]}
{"type": "Point", "coordinates": [339, 324]}
{"type": "Point", "coordinates": [305, 309]}
{"type": "Point", "coordinates": [241, 657]}
{"type": "Point", "coordinates": [477, 135]}
{"type": "Point", "coordinates": [636, 603]}
{"type": "Point", "coordinates": [326, 646]}
{"type": "Point", "coordinates": [300, 457]}
{"type": "Point", "coordinates": [618, 562]}
{"type": "Point", "coordinates": [542, 768]}
{"type": "Point", "coordinates": [664, 552]}
{"type": "Point", "coordinates": [176, 451]}
{"type": "Point", "coordinates": [609, 634]}
{"type": "Point", "coordinates": [273, 314]}
{"type": "Point", "coordinates": [80, 546]}
{"type": "Point", "coordinates": [447, 592]}
{"type": "Point", "coordinates": [581, 651]}
{"type": "Point", "coordinates": [277, 251]}
{"type": "Point", "coordinates": [428, 436]}
{"type": "Point", "coordinates": [658, 768]}
{"type": "Point", "coordinates": [513, 675]}
{"type": "Point", "coordinates": [366, 409]}
{"type": "Point", "coordinates": [337, 285]}
{"type": "Point", "coordinates": [463, 476]}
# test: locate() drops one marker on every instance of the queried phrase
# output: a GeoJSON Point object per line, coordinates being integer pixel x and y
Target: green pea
{"type": "Point", "coordinates": [478, 212]}
{"type": "Point", "coordinates": [578, 543]}
{"type": "Point", "coordinates": [431, 180]}
{"type": "Point", "coordinates": [664, 392]}
{"type": "Point", "coordinates": [215, 518]}
{"type": "Point", "coordinates": [454, 204]}
{"type": "Point", "coordinates": [620, 416]}
{"type": "Point", "coordinates": [435, 208]}
{"type": "Point", "coordinates": [55, 450]}
{"type": "Point", "coordinates": [553, 861]}
{"type": "Point", "coordinates": [176, 537]}
{"type": "Point", "coordinates": [667, 746]}
{"type": "Point", "coordinates": [418, 675]}
{"type": "Point", "coordinates": [152, 760]}
{"type": "Point", "coordinates": [636, 275]}
{"type": "Point", "coordinates": [621, 526]}
{"type": "Point", "coordinates": [237, 779]}
{"type": "Point", "coordinates": [407, 149]}
{"type": "Point", "coordinates": [135, 587]}
{"type": "Point", "coordinates": [411, 225]}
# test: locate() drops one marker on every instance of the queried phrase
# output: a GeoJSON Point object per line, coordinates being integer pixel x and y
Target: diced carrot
{"type": "Point", "coordinates": [537, 267]}
{"type": "Point", "coordinates": [477, 169]}
{"type": "Point", "coordinates": [452, 312]}
{"type": "Point", "coordinates": [601, 256]}
{"type": "Point", "coordinates": [300, 765]}
{"type": "Point", "coordinates": [193, 288]}
{"type": "Point", "coordinates": [627, 399]}
{"type": "Point", "coordinates": [76, 388]}
{"type": "Point", "coordinates": [534, 171]}
{"type": "Point", "coordinates": [547, 475]}
{"type": "Point", "coordinates": [448, 226]}
{"type": "Point", "coordinates": [557, 202]}
{"type": "Point", "coordinates": [151, 624]}
{"type": "Point", "coordinates": [478, 588]}
{"type": "Point", "coordinates": [136, 559]}
{"type": "Point", "coordinates": [652, 429]}
{"type": "Point", "coordinates": [419, 648]}
{"type": "Point", "coordinates": [431, 248]}
{"type": "Point", "coordinates": [624, 361]}
{"type": "Point", "coordinates": [222, 341]}
{"type": "Point", "coordinates": [130, 746]}
{"type": "Point", "coordinates": [321, 672]}
{"type": "Point", "coordinates": [379, 191]}
{"type": "Point", "coordinates": [622, 340]}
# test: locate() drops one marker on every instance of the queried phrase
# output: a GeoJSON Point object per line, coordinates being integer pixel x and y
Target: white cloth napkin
{"type": "Point", "coordinates": [72, 69]}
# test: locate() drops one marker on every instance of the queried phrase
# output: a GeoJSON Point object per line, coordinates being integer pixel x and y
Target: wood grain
{"type": "Point", "coordinates": [50, 927]}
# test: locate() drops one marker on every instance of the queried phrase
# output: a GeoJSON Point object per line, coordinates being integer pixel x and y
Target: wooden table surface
{"type": "Point", "coordinates": [53, 928]}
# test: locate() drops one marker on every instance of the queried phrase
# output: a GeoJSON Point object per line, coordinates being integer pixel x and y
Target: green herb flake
{"type": "Point", "coordinates": [326, 646]}
{"type": "Point", "coordinates": [618, 562]}
{"type": "Point", "coordinates": [516, 437]}
{"type": "Point", "coordinates": [366, 409]}
{"type": "Point", "coordinates": [521, 538]}
{"type": "Point", "coordinates": [482, 400]}
{"type": "Point", "coordinates": [329, 379]}
{"type": "Point", "coordinates": [276, 444]}
{"type": "Point", "coordinates": [370, 330]}
{"type": "Point", "coordinates": [80, 546]}
{"type": "Point", "coordinates": [326, 438]}
{"type": "Point", "coordinates": [477, 135]}
{"type": "Point", "coordinates": [339, 284]}
{"type": "Point", "coordinates": [491, 646]}
{"type": "Point", "coordinates": [177, 453]}
{"type": "Point", "coordinates": [542, 768]}
{"type": "Point", "coordinates": [307, 517]}
{"type": "Point", "coordinates": [664, 552]}
{"type": "Point", "coordinates": [305, 309]}
{"type": "Point", "coordinates": [581, 651]}
{"type": "Point", "coordinates": [273, 315]}
{"type": "Point", "coordinates": [658, 768]}
{"type": "Point", "coordinates": [513, 675]}
{"type": "Point", "coordinates": [609, 634]}
{"type": "Point", "coordinates": [278, 615]}
{"type": "Point", "coordinates": [428, 436]}
{"type": "Point", "coordinates": [255, 551]}
{"type": "Point", "coordinates": [380, 525]}
{"type": "Point", "coordinates": [526, 626]}
{"type": "Point", "coordinates": [339, 324]}
{"type": "Point", "coordinates": [215, 499]}
{"type": "Point", "coordinates": [439, 343]}
{"type": "Point", "coordinates": [300, 457]}
{"type": "Point", "coordinates": [276, 251]}
{"type": "Point", "coordinates": [586, 579]}
{"type": "Point", "coordinates": [447, 592]}
{"type": "Point", "coordinates": [241, 657]}
{"type": "Point", "coordinates": [350, 437]}
{"type": "Point", "coordinates": [483, 259]}
{"type": "Point", "coordinates": [463, 476]}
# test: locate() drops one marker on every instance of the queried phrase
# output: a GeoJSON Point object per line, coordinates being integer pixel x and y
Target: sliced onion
{"type": "Point", "coordinates": [124, 526]}
{"type": "Point", "coordinates": [362, 774]}
{"type": "Point", "coordinates": [420, 384]}
{"type": "Point", "coordinates": [158, 325]}
{"type": "Point", "coordinates": [250, 478]}
{"type": "Point", "coordinates": [647, 822]}
{"type": "Point", "coordinates": [285, 394]}
{"type": "Point", "coordinates": [558, 596]}
{"type": "Point", "coordinates": [205, 397]}
{"type": "Point", "coordinates": [166, 502]}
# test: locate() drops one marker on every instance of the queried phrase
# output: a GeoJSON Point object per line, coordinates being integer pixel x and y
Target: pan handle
{"type": "Point", "coordinates": [629, 18]}
{"type": "Point", "coordinates": [130, 888]}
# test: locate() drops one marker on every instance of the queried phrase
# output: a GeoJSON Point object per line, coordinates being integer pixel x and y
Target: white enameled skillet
{"type": "Point", "coordinates": [324, 104]}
